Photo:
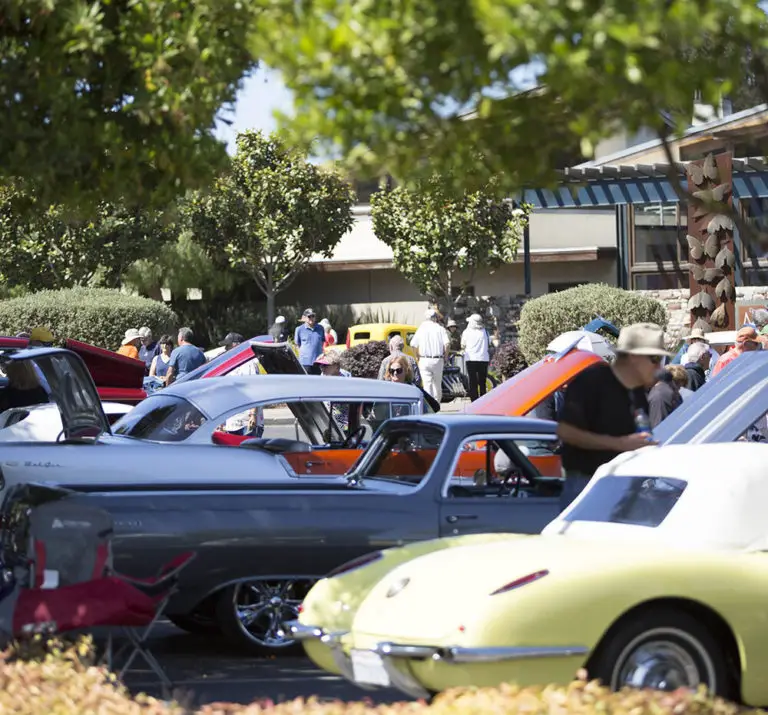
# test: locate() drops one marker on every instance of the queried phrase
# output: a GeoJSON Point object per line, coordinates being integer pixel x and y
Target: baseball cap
{"type": "Point", "coordinates": [280, 319]}
{"type": "Point", "coordinates": [41, 334]}
{"type": "Point", "coordinates": [332, 357]}
{"type": "Point", "coordinates": [641, 339]}
{"type": "Point", "coordinates": [145, 332]}
{"type": "Point", "coordinates": [308, 313]}
{"type": "Point", "coordinates": [746, 335]}
{"type": "Point", "coordinates": [232, 338]}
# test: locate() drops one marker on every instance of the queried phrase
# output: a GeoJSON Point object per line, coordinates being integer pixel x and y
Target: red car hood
{"type": "Point", "coordinates": [520, 394]}
{"type": "Point", "coordinates": [108, 369]}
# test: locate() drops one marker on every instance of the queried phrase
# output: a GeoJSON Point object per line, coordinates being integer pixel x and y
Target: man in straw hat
{"type": "Point", "coordinates": [605, 411]}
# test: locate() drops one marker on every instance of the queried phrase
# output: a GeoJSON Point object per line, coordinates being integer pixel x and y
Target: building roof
{"type": "Point", "coordinates": [721, 123]}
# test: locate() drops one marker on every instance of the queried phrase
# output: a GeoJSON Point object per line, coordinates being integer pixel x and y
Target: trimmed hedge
{"type": "Point", "coordinates": [93, 315]}
{"type": "Point", "coordinates": [543, 319]}
{"type": "Point", "coordinates": [65, 683]}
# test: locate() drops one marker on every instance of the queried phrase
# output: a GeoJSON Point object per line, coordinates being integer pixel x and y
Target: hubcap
{"type": "Point", "coordinates": [262, 607]}
{"type": "Point", "coordinates": [661, 665]}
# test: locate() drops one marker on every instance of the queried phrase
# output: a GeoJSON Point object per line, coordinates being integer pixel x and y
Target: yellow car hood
{"type": "Point", "coordinates": [435, 594]}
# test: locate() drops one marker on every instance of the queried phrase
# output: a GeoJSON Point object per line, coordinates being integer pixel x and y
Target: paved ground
{"type": "Point", "coordinates": [206, 670]}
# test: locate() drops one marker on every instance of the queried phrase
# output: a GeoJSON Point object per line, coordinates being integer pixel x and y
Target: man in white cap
{"type": "Point", "coordinates": [432, 344]}
{"type": "Point", "coordinates": [149, 348]}
{"type": "Point", "coordinates": [605, 411]}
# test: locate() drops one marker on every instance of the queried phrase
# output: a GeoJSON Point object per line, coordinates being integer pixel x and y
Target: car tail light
{"type": "Point", "coordinates": [355, 564]}
{"type": "Point", "coordinates": [524, 581]}
{"type": "Point", "coordinates": [349, 338]}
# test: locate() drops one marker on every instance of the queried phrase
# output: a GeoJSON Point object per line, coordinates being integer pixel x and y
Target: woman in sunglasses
{"type": "Point", "coordinates": [400, 371]}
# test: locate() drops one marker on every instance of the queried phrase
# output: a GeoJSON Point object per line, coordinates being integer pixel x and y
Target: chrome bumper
{"type": "Point", "coordinates": [390, 653]}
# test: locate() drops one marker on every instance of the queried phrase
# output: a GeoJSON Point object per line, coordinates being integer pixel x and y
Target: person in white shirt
{"type": "Point", "coordinates": [432, 343]}
{"type": "Point", "coordinates": [250, 422]}
{"type": "Point", "coordinates": [474, 342]}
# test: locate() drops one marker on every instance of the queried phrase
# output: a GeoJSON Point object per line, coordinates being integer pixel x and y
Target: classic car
{"type": "Point", "coordinates": [196, 414]}
{"type": "Point", "coordinates": [117, 378]}
{"type": "Point", "coordinates": [654, 577]}
{"type": "Point", "coordinates": [361, 334]}
{"type": "Point", "coordinates": [264, 533]}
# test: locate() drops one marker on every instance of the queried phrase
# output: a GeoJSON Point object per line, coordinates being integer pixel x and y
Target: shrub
{"type": "Point", "coordinates": [508, 360]}
{"type": "Point", "coordinates": [64, 681]}
{"type": "Point", "coordinates": [543, 319]}
{"type": "Point", "coordinates": [364, 360]}
{"type": "Point", "coordinates": [94, 315]}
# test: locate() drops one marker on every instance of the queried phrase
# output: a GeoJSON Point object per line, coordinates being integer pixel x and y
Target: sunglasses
{"type": "Point", "coordinates": [395, 371]}
{"type": "Point", "coordinates": [655, 359]}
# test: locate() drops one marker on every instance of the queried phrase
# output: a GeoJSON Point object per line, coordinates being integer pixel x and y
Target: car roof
{"type": "Point", "coordinates": [724, 407]}
{"type": "Point", "coordinates": [217, 396]}
{"type": "Point", "coordinates": [723, 505]}
{"type": "Point", "coordinates": [483, 423]}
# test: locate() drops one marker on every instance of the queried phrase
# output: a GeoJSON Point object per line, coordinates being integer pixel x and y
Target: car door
{"type": "Point", "coordinates": [520, 499]}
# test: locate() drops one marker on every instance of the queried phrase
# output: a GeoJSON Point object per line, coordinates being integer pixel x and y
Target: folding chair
{"type": "Point", "coordinates": [71, 584]}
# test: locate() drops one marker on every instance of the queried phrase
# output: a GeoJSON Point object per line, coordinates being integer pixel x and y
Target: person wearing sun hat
{"type": "Point", "coordinates": [40, 337]}
{"type": "Point", "coordinates": [605, 411]}
{"type": "Point", "coordinates": [747, 340]}
{"type": "Point", "coordinates": [130, 345]}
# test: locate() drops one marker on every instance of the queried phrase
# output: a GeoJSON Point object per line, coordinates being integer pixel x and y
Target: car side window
{"type": "Point", "coordinates": [505, 468]}
{"type": "Point", "coordinates": [392, 334]}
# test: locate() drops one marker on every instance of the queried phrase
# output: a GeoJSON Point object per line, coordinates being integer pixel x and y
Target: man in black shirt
{"type": "Point", "coordinates": [604, 404]}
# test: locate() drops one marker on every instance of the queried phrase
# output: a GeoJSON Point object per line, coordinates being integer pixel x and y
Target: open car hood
{"type": "Point", "coordinates": [64, 375]}
{"type": "Point", "coordinates": [520, 394]}
{"type": "Point", "coordinates": [274, 358]}
{"type": "Point", "coordinates": [109, 369]}
{"type": "Point", "coordinates": [724, 407]}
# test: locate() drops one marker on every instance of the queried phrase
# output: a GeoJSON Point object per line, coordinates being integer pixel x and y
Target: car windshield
{"type": "Point", "coordinates": [639, 501]}
{"type": "Point", "coordinates": [161, 418]}
{"type": "Point", "coordinates": [401, 453]}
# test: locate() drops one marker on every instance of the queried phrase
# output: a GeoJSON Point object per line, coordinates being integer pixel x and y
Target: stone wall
{"type": "Point", "coordinates": [676, 302]}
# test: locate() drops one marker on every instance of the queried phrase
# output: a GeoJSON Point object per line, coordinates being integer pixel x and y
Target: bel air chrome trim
{"type": "Point", "coordinates": [417, 652]}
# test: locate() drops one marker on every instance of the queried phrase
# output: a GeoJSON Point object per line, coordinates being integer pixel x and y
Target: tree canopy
{"type": "Point", "coordinates": [271, 213]}
{"type": "Point", "coordinates": [111, 99]}
{"type": "Point", "coordinates": [389, 83]}
{"type": "Point", "coordinates": [438, 240]}
{"type": "Point", "coordinates": [55, 247]}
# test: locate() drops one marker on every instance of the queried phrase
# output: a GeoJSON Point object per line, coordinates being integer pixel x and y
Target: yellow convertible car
{"type": "Point", "coordinates": [656, 576]}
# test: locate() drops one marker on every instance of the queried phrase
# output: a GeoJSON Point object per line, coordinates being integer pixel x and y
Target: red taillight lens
{"type": "Point", "coordinates": [355, 564]}
{"type": "Point", "coordinates": [524, 581]}
{"type": "Point", "coordinates": [349, 338]}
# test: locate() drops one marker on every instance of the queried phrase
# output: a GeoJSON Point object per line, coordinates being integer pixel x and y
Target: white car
{"type": "Point", "coordinates": [39, 423]}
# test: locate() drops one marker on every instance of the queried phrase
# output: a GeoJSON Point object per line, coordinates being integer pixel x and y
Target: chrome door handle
{"type": "Point", "coordinates": [310, 464]}
{"type": "Point", "coordinates": [453, 518]}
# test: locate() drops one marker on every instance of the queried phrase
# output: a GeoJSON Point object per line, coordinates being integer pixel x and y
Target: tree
{"type": "Point", "coordinates": [388, 83]}
{"type": "Point", "coordinates": [439, 240]}
{"type": "Point", "coordinates": [105, 100]}
{"type": "Point", "coordinates": [59, 247]}
{"type": "Point", "coordinates": [271, 213]}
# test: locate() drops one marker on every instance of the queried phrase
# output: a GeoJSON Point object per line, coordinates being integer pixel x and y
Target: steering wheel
{"type": "Point", "coordinates": [354, 438]}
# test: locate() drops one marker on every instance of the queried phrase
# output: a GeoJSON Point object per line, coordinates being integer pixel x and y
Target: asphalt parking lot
{"type": "Point", "coordinates": [205, 670]}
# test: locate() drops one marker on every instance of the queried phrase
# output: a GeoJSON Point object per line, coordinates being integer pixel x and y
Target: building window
{"type": "Point", "coordinates": [658, 249]}
{"type": "Point", "coordinates": [754, 251]}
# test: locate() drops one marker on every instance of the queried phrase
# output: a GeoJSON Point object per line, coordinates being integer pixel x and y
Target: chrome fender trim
{"type": "Point", "coordinates": [491, 655]}
{"type": "Point", "coordinates": [300, 632]}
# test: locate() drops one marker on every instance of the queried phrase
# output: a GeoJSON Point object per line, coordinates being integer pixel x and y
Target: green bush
{"type": "Point", "coordinates": [94, 315]}
{"type": "Point", "coordinates": [543, 319]}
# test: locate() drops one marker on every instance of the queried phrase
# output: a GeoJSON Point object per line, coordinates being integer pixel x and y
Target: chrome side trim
{"type": "Point", "coordinates": [491, 655]}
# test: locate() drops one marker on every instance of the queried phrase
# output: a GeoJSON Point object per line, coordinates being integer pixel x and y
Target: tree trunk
{"type": "Point", "coordinates": [270, 306]}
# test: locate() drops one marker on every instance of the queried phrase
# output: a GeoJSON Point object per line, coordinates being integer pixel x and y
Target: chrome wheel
{"type": "Point", "coordinates": [261, 608]}
{"type": "Point", "coordinates": [664, 659]}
